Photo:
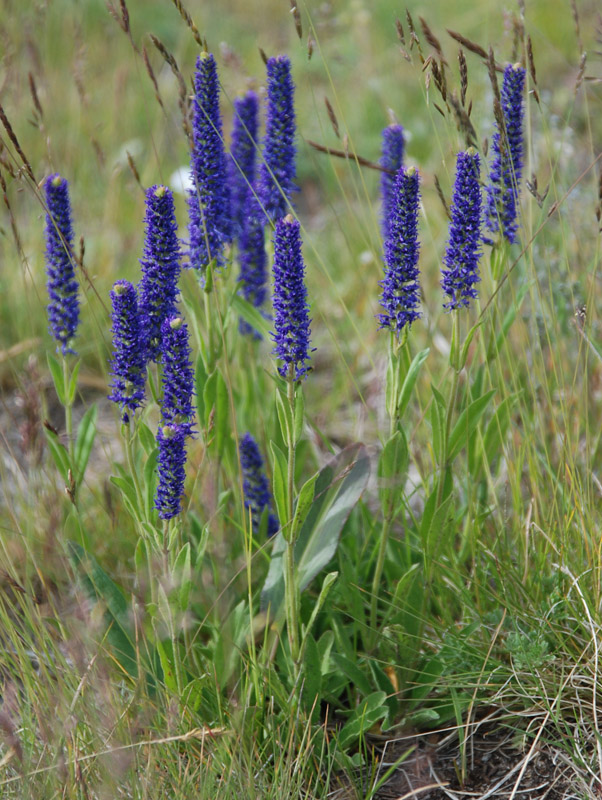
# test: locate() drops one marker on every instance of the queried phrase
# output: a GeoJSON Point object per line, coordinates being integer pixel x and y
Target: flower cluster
{"type": "Point", "coordinates": [209, 224]}
{"type": "Point", "coordinates": [178, 377]}
{"type": "Point", "coordinates": [63, 308]}
{"type": "Point", "coordinates": [243, 157]}
{"type": "Point", "coordinates": [462, 254]}
{"type": "Point", "coordinates": [291, 317]}
{"type": "Point", "coordinates": [128, 365]}
{"type": "Point", "coordinates": [160, 264]}
{"type": "Point", "coordinates": [253, 262]}
{"type": "Point", "coordinates": [400, 290]}
{"type": "Point", "coordinates": [255, 485]}
{"type": "Point", "coordinates": [507, 146]}
{"type": "Point", "coordinates": [278, 170]}
{"type": "Point", "coordinates": [391, 159]}
{"type": "Point", "coordinates": [171, 441]}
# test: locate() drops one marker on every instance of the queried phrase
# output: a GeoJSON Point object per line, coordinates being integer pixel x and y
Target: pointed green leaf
{"type": "Point", "coordinates": [410, 381]}
{"type": "Point", "coordinates": [466, 424]}
{"type": "Point", "coordinates": [58, 378]}
{"type": "Point", "coordinates": [86, 433]}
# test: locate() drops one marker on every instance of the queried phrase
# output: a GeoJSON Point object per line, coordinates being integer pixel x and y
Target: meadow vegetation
{"type": "Point", "coordinates": [388, 549]}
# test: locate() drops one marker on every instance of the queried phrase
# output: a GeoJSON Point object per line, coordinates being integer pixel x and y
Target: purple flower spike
{"type": "Point", "coordinates": [209, 224]}
{"type": "Point", "coordinates": [463, 254]}
{"type": "Point", "coordinates": [400, 290]}
{"type": "Point", "coordinates": [128, 365]}
{"type": "Point", "coordinates": [171, 441]}
{"type": "Point", "coordinates": [160, 264]}
{"type": "Point", "coordinates": [253, 262]}
{"type": "Point", "coordinates": [255, 485]}
{"type": "Point", "coordinates": [291, 318]}
{"type": "Point", "coordinates": [243, 156]}
{"type": "Point", "coordinates": [63, 308]}
{"type": "Point", "coordinates": [391, 159]}
{"type": "Point", "coordinates": [277, 171]}
{"type": "Point", "coordinates": [178, 377]}
{"type": "Point", "coordinates": [507, 165]}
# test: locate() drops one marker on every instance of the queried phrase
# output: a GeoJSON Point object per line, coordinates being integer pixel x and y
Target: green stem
{"type": "Point", "coordinates": [292, 600]}
{"type": "Point", "coordinates": [208, 322]}
{"type": "Point", "coordinates": [129, 454]}
{"type": "Point", "coordinates": [68, 413]}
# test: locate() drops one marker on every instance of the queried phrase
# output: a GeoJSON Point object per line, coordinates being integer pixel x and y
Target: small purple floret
{"type": "Point", "coordinates": [243, 151]}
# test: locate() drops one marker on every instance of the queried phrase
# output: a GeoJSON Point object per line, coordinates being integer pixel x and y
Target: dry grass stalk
{"type": "Point", "coordinates": [151, 75]}
{"type": "Point", "coordinates": [491, 71]}
{"type": "Point", "coordinates": [473, 47]}
{"type": "Point", "coordinates": [432, 40]}
{"type": "Point", "coordinates": [344, 153]}
{"type": "Point", "coordinates": [441, 197]}
{"type": "Point", "coordinates": [182, 93]}
{"type": "Point", "coordinates": [189, 22]}
{"type": "Point", "coordinates": [33, 90]}
{"type": "Point", "coordinates": [332, 117]}
{"type": "Point", "coordinates": [310, 47]}
{"type": "Point", "coordinates": [134, 169]}
{"type": "Point", "coordinates": [263, 55]}
{"type": "Point", "coordinates": [532, 72]}
{"type": "Point", "coordinates": [414, 36]}
{"type": "Point", "coordinates": [438, 72]}
{"type": "Point", "coordinates": [575, 14]}
{"type": "Point", "coordinates": [12, 136]}
{"type": "Point", "coordinates": [463, 75]}
{"type": "Point", "coordinates": [463, 122]}
{"type": "Point", "coordinates": [400, 31]}
{"type": "Point", "coordinates": [297, 18]}
{"type": "Point", "coordinates": [581, 73]}
{"type": "Point", "coordinates": [11, 216]}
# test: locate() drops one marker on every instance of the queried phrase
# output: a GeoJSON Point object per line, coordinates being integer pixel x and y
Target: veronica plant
{"type": "Point", "coordinates": [63, 306]}
{"type": "Point", "coordinates": [277, 171]}
{"type": "Point", "coordinates": [253, 261]}
{"type": "Point", "coordinates": [292, 348]}
{"type": "Point", "coordinates": [507, 164]}
{"type": "Point", "coordinates": [400, 301]}
{"type": "Point", "coordinates": [128, 365]}
{"type": "Point", "coordinates": [178, 376]}
{"type": "Point", "coordinates": [209, 226]}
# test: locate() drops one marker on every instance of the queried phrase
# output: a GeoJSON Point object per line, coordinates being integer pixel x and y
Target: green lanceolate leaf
{"type": "Point", "coordinates": [299, 413]}
{"type": "Point", "coordinates": [285, 417]}
{"type": "Point", "coordinates": [466, 424]}
{"type": "Point", "coordinates": [150, 481]}
{"type": "Point", "coordinates": [438, 417]}
{"type": "Point", "coordinates": [304, 501]}
{"type": "Point", "coordinates": [410, 382]}
{"type": "Point", "coordinates": [251, 315]}
{"type": "Point", "coordinates": [59, 454]}
{"type": "Point", "coordinates": [369, 712]}
{"type": "Point", "coordinates": [337, 490]}
{"type": "Point", "coordinates": [498, 428]}
{"type": "Point", "coordinates": [128, 490]}
{"type": "Point", "coordinates": [58, 378]}
{"type": "Point", "coordinates": [72, 388]}
{"type": "Point", "coordinates": [102, 588]}
{"type": "Point", "coordinates": [392, 468]}
{"type": "Point", "coordinates": [216, 408]}
{"type": "Point", "coordinates": [200, 379]}
{"type": "Point", "coordinates": [279, 481]}
{"type": "Point", "coordinates": [86, 433]}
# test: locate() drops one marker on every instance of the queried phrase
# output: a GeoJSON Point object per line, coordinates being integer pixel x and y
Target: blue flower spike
{"type": "Point", "coordinates": [63, 306]}
{"type": "Point", "coordinates": [391, 159]}
{"type": "Point", "coordinates": [128, 364]}
{"type": "Point", "coordinates": [506, 167]}
{"type": "Point", "coordinates": [209, 215]}
{"type": "Point", "coordinates": [462, 254]}
{"type": "Point", "coordinates": [256, 488]}
{"type": "Point", "coordinates": [291, 312]}
{"type": "Point", "coordinates": [278, 170]}
{"type": "Point", "coordinates": [158, 289]}
{"type": "Point", "coordinates": [400, 298]}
